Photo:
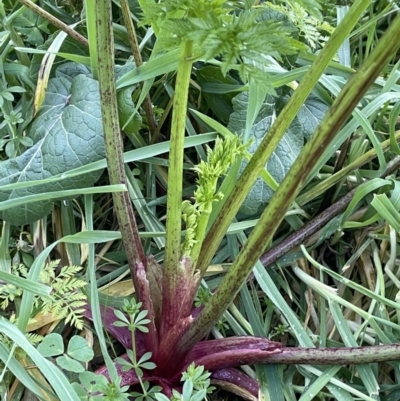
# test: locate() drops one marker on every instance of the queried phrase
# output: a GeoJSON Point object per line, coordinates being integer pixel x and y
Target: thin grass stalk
{"type": "Point", "coordinates": [91, 33]}
{"type": "Point", "coordinates": [269, 221]}
{"type": "Point", "coordinates": [320, 188]}
{"type": "Point", "coordinates": [147, 105]}
{"type": "Point", "coordinates": [5, 258]}
{"type": "Point", "coordinates": [275, 134]}
{"type": "Point", "coordinates": [171, 279]}
{"type": "Point", "coordinates": [94, 293]}
{"type": "Point", "coordinates": [308, 230]}
{"type": "Point", "coordinates": [112, 137]}
{"type": "Point", "coordinates": [8, 25]}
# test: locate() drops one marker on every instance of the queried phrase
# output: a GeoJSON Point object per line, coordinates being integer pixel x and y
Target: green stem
{"type": "Point", "coordinates": [272, 216]}
{"type": "Point", "coordinates": [174, 194]}
{"type": "Point", "coordinates": [275, 134]}
{"type": "Point", "coordinates": [112, 137]}
{"type": "Point", "coordinates": [137, 371]}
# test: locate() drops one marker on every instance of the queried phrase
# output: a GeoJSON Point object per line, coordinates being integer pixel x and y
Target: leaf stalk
{"type": "Point", "coordinates": [112, 137]}
{"type": "Point", "coordinates": [272, 216]}
{"type": "Point", "coordinates": [174, 194]}
{"type": "Point", "coordinates": [275, 134]}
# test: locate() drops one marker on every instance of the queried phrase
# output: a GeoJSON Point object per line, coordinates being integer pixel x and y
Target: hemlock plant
{"type": "Point", "coordinates": [163, 333]}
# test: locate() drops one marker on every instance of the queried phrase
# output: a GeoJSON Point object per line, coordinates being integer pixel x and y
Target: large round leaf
{"type": "Point", "coordinates": [67, 133]}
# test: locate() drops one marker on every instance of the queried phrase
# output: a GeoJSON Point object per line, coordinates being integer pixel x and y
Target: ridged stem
{"type": "Point", "coordinates": [112, 137]}
{"type": "Point", "coordinates": [171, 277]}
{"type": "Point", "coordinates": [272, 216]}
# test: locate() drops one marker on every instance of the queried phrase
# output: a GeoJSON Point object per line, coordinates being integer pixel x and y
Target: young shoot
{"type": "Point", "coordinates": [196, 215]}
{"type": "Point", "coordinates": [136, 320]}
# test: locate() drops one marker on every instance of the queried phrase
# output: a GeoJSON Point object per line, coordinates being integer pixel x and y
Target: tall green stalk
{"type": "Point", "coordinates": [174, 195]}
{"type": "Point", "coordinates": [275, 134]}
{"type": "Point", "coordinates": [263, 232]}
{"type": "Point", "coordinates": [112, 137]}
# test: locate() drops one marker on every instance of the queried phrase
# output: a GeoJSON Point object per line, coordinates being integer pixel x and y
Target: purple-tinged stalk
{"type": "Point", "coordinates": [176, 338]}
{"type": "Point", "coordinates": [114, 154]}
{"type": "Point", "coordinates": [236, 382]}
{"type": "Point", "coordinates": [302, 235]}
{"type": "Point", "coordinates": [172, 269]}
{"type": "Point", "coordinates": [263, 232]}
{"type": "Point", "coordinates": [275, 134]}
{"type": "Point", "coordinates": [222, 355]}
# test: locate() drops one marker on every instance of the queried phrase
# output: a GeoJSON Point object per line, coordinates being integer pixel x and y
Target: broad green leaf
{"type": "Point", "coordinates": [51, 345]}
{"type": "Point", "coordinates": [80, 391]}
{"type": "Point", "coordinates": [79, 349]}
{"type": "Point", "coordinates": [67, 134]}
{"type": "Point", "coordinates": [89, 380]}
{"type": "Point", "coordinates": [308, 118]}
{"type": "Point", "coordinates": [69, 364]}
{"type": "Point", "coordinates": [71, 70]}
{"type": "Point", "coordinates": [310, 115]}
{"type": "Point", "coordinates": [32, 26]}
{"type": "Point", "coordinates": [129, 120]}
